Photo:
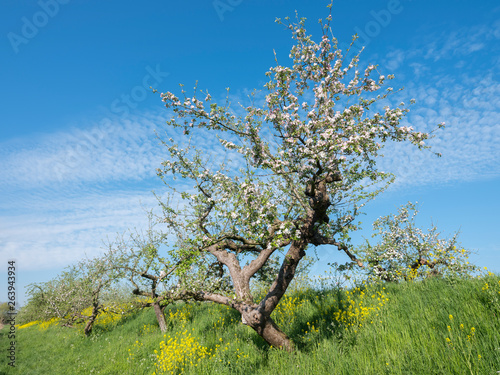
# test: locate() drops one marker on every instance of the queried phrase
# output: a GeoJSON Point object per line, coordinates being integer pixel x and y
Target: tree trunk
{"type": "Point", "coordinates": [160, 316]}
{"type": "Point", "coordinates": [90, 323]}
{"type": "Point", "coordinates": [266, 328]}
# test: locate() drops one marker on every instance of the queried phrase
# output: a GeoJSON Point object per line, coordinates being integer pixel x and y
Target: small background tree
{"type": "Point", "coordinates": [406, 252]}
{"type": "Point", "coordinates": [4, 312]}
{"type": "Point", "coordinates": [66, 297]}
{"type": "Point", "coordinates": [160, 275]}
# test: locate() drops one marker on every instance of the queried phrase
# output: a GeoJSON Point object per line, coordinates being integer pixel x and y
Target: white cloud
{"type": "Point", "coordinates": [462, 93]}
{"type": "Point", "coordinates": [61, 230]}
{"type": "Point", "coordinates": [109, 150]}
{"type": "Point", "coordinates": [469, 144]}
{"type": "Point", "coordinates": [394, 59]}
{"type": "Point", "coordinates": [64, 193]}
{"type": "Point", "coordinates": [462, 42]}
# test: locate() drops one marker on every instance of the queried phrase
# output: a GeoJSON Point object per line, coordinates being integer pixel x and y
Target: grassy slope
{"type": "Point", "coordinates": [409, 336]}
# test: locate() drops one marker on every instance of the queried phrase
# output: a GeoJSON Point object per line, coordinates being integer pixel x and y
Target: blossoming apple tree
{"type": "Point", "coordinates": [82, 286]}
{"type": "Point", "coordinates": [308, 166]}
{"type": "Point", "coordinates": [405, 251]}
{"type": "Point", "coordinates": [144, 262]}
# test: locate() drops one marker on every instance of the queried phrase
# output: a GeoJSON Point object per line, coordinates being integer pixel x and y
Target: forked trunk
{"type": "Point", "coordinates": [267, 329]}
{"type": "Point", "coordinates": [258, 317]}
{"type": "Point", "coordinates": [160, 316]}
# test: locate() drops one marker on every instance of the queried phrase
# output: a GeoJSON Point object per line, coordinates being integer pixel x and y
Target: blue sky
{"type": "Point", "coordinates": [77, 124]}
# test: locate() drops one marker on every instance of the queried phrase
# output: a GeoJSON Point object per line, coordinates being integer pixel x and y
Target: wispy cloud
{"type": "Point", "coordinates": [64, 193]}
{"type": "Point", "coordinates": [461, 93]}
{"type": "Point", "coordinates": [469, 144]}
{"type": "Point", "coordinates": [458, 47]}
{"type": "Point", "coordinates": [109, 150]}
{"type": "Point", "coordinates": [62, 230]}
{"type": "Point", "coordinates": [462, 42]}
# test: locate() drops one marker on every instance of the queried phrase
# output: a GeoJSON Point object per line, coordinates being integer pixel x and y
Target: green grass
{"type": "Point", "coordinates": [431, 327]}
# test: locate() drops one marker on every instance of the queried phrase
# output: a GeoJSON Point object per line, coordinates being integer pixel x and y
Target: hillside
{"type": "Point", "coordinates": [430, 327]}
